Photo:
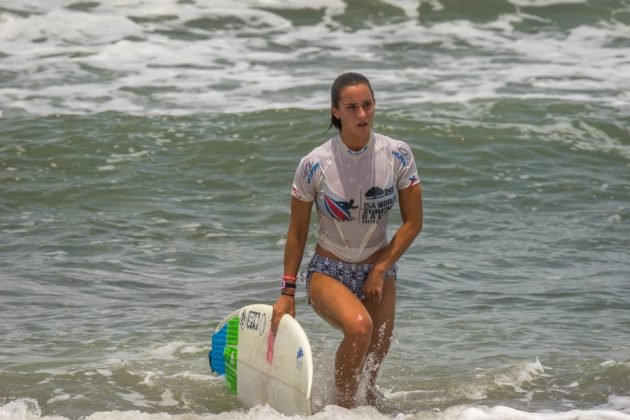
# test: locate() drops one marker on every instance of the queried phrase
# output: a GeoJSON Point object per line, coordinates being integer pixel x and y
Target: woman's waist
{"type": "Point", "coordinates": [371, 257]}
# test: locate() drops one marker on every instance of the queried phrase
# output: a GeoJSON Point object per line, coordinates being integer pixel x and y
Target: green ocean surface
{"type": "Point", "coordinates": [147, 151]}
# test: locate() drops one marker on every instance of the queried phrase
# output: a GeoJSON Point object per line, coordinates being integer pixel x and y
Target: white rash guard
{"type": "Point", "coordinates": [354, 191]}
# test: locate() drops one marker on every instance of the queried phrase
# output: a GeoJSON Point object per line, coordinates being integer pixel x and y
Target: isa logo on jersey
{"type": "Point", "coordinates": [339, 209]}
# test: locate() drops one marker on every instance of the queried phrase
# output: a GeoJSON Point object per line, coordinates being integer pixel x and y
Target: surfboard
{"type": "Point", "coordinates": [261, 368]}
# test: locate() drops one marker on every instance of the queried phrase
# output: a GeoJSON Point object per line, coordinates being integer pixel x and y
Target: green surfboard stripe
{"type": "Point", "coordinates": [230, 355]}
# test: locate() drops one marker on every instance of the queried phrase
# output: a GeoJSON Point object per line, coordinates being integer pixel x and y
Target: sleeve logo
{"type": "Point", "coordinates": [308, 170]}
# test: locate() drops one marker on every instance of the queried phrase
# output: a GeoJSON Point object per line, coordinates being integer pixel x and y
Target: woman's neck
{"type": "Point", "coordinates": [355, 143]}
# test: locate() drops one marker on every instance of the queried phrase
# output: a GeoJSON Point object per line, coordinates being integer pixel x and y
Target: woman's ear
{"type": "Point", "coordinates": [333, 111]}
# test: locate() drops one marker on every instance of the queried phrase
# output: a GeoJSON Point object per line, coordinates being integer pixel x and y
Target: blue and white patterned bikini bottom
{"type": "Point", "coordinates": [351, 275]}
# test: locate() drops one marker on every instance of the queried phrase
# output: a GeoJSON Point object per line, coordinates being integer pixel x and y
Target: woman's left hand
{"type": "Point", "coordinates": [373, 287]}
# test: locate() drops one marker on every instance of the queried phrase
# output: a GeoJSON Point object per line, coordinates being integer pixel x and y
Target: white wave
{"type": "Point", "coordinates": [132, 155]}
{"type": "Point", "coordinates": [507, 413]}
{"type": "Point", "coordinates": [20, 409]}
{"type": "Point", "coordinates": [116, 57]}
{"type": "Point", "coordinates": [28, 409]}
{"type": "Point", "coordinates": [198, 377]}
{"type": "Point", "coordinates": [135, 398]}
{"type": "Point", "coordinates": [544, 3]}
{"type": "Point", "coordinates": [167, 399]}
{"type": "Point", "coordinates": [166, 351]}
{"type": "Point", "coordinates": [410, 7]}
{"type": "Point", "coordinates": [520, 374]}
{"type": "Point", "coordinates": [104, 372]}
{"type": "Point", "coordinates": [59, 396]}
{"type": "Point", "coordinates": [621, 403]}
{"type": "Point", "coordinates": [591, 138]}
{"type": "Point", "coordinates": [193, 349]}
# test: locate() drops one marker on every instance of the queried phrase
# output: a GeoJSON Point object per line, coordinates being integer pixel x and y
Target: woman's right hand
{"type": "Point", "coordinates": [284, 305]}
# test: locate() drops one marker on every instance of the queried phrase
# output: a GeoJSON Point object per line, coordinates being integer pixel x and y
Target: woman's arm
{"type": "Point", "coordinates": [297, 235]}
{"type": "Point", "coordinates": [411, 212]}
{"type": "Point", "coordinates": [293, 252]}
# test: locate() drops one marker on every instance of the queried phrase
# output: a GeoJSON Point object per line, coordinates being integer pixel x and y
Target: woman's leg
{"type": "Point", "coordinates": [382, 315]}
{"type": "Point", "coordinates": [338, 306]}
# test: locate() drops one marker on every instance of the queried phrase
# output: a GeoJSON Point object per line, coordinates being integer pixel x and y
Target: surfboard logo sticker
{"type": "Point", "coordinates": [299, 358]}
{"type": "Point", "coordinates": [252, 320]}
{"type": "Point", "coordinates": [243, 319]}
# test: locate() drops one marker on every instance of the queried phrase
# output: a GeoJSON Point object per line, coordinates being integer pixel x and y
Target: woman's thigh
{"type": "Point", "coordinates": [383, 313]}
{"type": "Point", "coordinates": [336, 304]}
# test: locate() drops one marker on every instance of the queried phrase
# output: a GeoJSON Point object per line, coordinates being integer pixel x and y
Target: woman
{"type": "Point", "coordinates": [351, 280]}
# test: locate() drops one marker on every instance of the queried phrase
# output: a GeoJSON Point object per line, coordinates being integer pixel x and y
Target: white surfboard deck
{"type": "Point", "coordinates": [277, 372]}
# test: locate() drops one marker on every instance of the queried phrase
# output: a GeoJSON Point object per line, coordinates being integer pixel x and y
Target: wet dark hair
{"type": "Point", "coordinates": [342, 81]}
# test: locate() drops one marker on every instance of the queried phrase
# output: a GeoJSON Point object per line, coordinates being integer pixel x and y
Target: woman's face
{"type": "Point", "coordinates": [356, 110]}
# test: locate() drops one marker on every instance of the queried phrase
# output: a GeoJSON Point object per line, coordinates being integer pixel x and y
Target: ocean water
{"type": "Point", "coordinates": [146, 154]}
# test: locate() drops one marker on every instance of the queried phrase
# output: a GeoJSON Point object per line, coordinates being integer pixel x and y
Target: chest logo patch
{"type": "Point", "coordinates": [378, 202]}
{"type": "Point", "coordinates": [339, 209]}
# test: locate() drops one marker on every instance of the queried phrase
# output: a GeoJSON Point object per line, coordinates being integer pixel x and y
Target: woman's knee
{"type": "Point", "coordinates": [359, 328]}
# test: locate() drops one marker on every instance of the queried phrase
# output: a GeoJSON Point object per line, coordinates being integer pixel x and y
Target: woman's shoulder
{"type": "Point", "coordinates": [388, 141]}
{"type": "Point", "coordinates": [321, 152]}
{"type": "Point", "coordinates": [390, 145]}
{"type": "Point", "coordinates": [396, 151]}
